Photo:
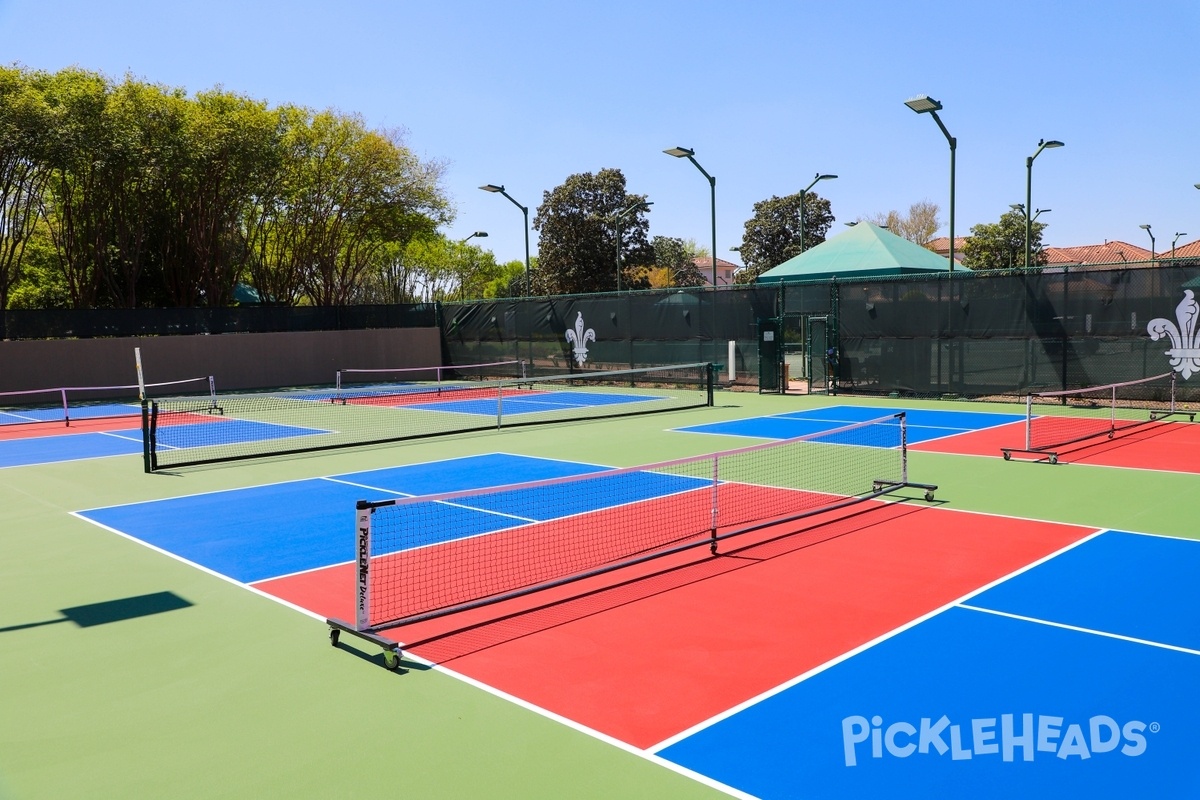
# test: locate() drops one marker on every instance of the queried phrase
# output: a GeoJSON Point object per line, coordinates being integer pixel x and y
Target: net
{"type": "Point", "coordinates": [422, 557]}
{"type": "Point", "coordinates": [380, 385]}
{"type": "Point", "coordinates": [1056, 420]}
{"type": "Point", "coordinates": [66, 404]}
{"type": "Point", "coordinates": [180, 432]}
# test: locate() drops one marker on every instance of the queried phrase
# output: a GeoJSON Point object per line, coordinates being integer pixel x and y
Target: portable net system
{"type": "Point", "coordinates": [67, 404]}
{"type": "Point", "coordinates": [180, 432]}
{"type": "Point", "coordinates": [425, 557]}
{"type": "Point", "coordinates": [1060, 420]}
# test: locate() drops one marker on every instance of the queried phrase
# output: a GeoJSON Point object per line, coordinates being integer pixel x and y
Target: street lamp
{"type": "Point", "coordinates": [804, 192]}
{"type": "Point", "coordinates": [1173, 241]}
{"type": "Point", "coordinates": [491, 187]}
{"type": "Point", "coordinates": [1146, 228]}
{"type": "Point", "coordinates": [476, 234]}
{"type": "Point", "coordinates": [689, 154]}
{"type": "Point", "coordinates": [1042, 145]}
{"type": "Point", "coordinates": [924, 104]}
{"type": "Point", "coordinates": [638, 206]}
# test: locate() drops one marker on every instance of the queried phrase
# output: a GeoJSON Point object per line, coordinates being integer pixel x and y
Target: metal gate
{"type": "Point", "coordinates": [821, 367]}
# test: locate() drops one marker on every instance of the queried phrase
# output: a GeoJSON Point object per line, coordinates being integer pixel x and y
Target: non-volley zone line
{"type": "Point", "coordinates": [923, 425]}
{"type": "Point", "coordinates": [1064, 679]}
{"type": "Point", "coordinates": [47, 443]}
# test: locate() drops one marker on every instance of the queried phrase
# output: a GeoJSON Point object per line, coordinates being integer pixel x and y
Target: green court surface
{"type": "Point", "coordinates": [227, 693]}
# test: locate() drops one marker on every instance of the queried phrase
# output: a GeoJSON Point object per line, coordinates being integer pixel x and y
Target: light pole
{"type": "Point", "coordinates": [1173, 241]}
{"type": "Point", "coordinates": [690, 155]}
{"type": "Point", "coordinates": [462, 289]}
{"type": "Point", "coordinates": [924, 104]}
{"type": "Point", "coordinates": [1042, 145]}
{"type": "Point", "coordinates": [1146, 228]}
{"type": "Point", "coordinates": [491, 187]}
{"type": "Point", "coordinates": [638, 206]}
{"type": "Point", "coordinates": [803, 193]}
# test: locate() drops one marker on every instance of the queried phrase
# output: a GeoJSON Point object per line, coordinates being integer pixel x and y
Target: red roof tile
{"type": "Point", "coordinates": [1114, 252]}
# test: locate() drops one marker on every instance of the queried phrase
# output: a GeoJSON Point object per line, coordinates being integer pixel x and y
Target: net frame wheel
{"type": "Point", "coordinates": [334, 636]}
{"type": "Point", "coordinates": [929, 497]}
{"type": "Point", "coordinates": [1007, 455]}
{"type": "Point", "coordinates": [391, 660]}
{"type": "Point", "coordinates": [1053, 459]}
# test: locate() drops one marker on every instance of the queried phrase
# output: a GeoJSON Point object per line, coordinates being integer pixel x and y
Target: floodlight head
{"type": "Point", "coordinates": [1017, 207]}
{"type": "Point", "coordinates": [480, 234]}
{"type": "Point", "coordinates": [680, 152]}
{"type": "Point", "coordinates": [852, 224]}
{"type": "Point", "coordinates": [1043, 211]}
{"type": "Point", "coordinates": [826, 177]}
{"type": "Point", "coordinates": [1197, 185]}
{"type": "Point", "coordinates": [1144, 227]}
{"type": "Point", "coordinates": [923, 104]}
{"type": "Point", "coordinates": [1050, 144]}
{"type": "Point", "coordinates": [491, 187]}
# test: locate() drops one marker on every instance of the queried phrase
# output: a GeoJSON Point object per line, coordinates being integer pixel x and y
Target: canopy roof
{"type": "Point", "coordinates": [860, 251]}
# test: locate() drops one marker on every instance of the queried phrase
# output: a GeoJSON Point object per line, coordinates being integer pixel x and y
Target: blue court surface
{"type": "Point", "coordinates": [268, 531]}
{"type": "Point", "coordinates": [923, 425]}
{"type": "Point", "coordinates": [1073, 679]}
{"type": "Point", "coordinates": [534, 403]}
{"type": "Point", "coordinates": [98, 444]}
{"type": "Point", "coordinates": [55, 413]}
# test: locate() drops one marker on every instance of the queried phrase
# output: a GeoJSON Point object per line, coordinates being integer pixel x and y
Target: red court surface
{"type": "Point", "coordinates": [644, 653]}
{"type": "Point", "coordinates": [416, 397]}
{"type": "Point", "coordinates": [34, 430]}
{"type": "Point", "coordinates": [1171, 446]}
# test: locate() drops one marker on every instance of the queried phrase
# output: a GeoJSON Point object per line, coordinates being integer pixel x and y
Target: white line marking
{"type": "Point", "coordinates": [1079, 629]}
{"type": "Point", "coordinates": [768, 694]}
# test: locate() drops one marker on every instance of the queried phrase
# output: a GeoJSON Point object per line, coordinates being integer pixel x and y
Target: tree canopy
{"type": "Point", "coordinates": [133, 194]}
{"type": "Point", "coordinates": [1001, 245]}
{"type": "Point", "coordinates": [578, 249]}
{"type": "Point", "coordinates": [772, 235]}
{"type": "Point", "coordinates": [918, 226]}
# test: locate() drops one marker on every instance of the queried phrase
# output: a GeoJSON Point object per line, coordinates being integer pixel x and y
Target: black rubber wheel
{"type": "Point", "coordinates": [334, 635]}
{"type": "Point", "coordinates": [929, 497]}
{"type": "Point", "coordinates": [1053, 459]}
{"type": "Point", "coordinates": [391, 660]}
{"type": "Point", "coordinates": [1007, 455]}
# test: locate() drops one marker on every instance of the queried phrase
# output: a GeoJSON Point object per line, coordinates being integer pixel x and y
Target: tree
{"type": "Point", "coordinates": [577, 247]}
{"type": "Point", "coordinates": [677, 258]}
{"type": "Point", "coordinates": [1001, 245]}
{"type": "Point", "coordinates": [24, 124]}
{"type": "Point", "coordinates": [918, 226]}
{"type": "Point", "coordinates": [509, 280]}
{"type": "Point", "coordinates": [772, 235]}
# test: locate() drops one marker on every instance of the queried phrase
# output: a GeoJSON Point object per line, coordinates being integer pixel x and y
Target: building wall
{"type": "Point", "coordinates": [237, 361]}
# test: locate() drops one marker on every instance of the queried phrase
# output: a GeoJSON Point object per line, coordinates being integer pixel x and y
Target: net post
{"type": "Point", "coordinates": [709, 369]}
{"type": "Point", "coordinates": [150, 437]}
{"type": "Point", "coordinates": [212, 393]}
{"type": "Point", "coordinates": [1171, 406]}
{"type": "Point", "coordinates": [147, 463]}
{"type": "Point", "coordinates": [1112, 413]}
{"type": "Point", "coordinates": [1028, 421]}
{"type": "Point", "coordinates": [712, 544]}
{"type": "Point", "coordinates": [66, 409]}
{"type": "Point", "coordinates": [499, 405]}
{"type": "Point", "coordinates": [903, 447]}
{"type": "Point", "coordinates": [337, 389]}
{"type": "Point", "coordinates": [362, 579]}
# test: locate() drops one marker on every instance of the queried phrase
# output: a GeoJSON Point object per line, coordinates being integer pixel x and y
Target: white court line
{"type": "Point", "coordinates": [768, 694]}
{"type": "Point", "coordinates": [1079, 629]}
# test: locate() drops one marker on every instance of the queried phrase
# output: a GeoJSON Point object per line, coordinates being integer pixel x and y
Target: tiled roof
{"type": "Point", "coordinates": [1189, 250]}
{"type": "Point", "coordinates": [706, 261]}
{"type": "Point", "coordinates": [941, 245]}
{"type": "Point", "coordinates": [1113, 252]}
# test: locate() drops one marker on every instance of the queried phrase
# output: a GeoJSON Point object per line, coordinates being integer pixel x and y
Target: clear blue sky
{"type": "Point", "coordinates": [525, 93]}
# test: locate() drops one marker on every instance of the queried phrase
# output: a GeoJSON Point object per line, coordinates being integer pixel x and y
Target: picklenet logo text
{"type": "Point", "coordinates": [1027, 734]}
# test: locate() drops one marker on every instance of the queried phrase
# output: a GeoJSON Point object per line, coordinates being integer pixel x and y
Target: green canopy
{"type": "Point", "coordinates": [860, 251]}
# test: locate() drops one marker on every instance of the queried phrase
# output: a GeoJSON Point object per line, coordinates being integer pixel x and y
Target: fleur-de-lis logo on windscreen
{"type": "Point", "coordinates": [579, 337]}
{"type": "Point", "coordinates": [1185, 350]}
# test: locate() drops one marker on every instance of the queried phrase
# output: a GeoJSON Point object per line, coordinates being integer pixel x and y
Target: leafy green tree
{"type": "Point", "coordinates": [677, 258]}
{"type": "Point", "coordinates": [24, 124]}
{"type": "Point", "coordinates": [918, 226]}
{"type": "Point", "coordinates": [1001, 245]}
{"type": "Point", "coordinates": [577, 246]}
{"type": "Point", "coordinates": [509, 280]}
{"type": "Point", "coordinates": [772, 235]}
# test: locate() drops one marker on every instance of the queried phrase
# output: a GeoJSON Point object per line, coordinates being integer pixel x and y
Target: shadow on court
{"type": "Point", "coordinates": [107, 611]}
